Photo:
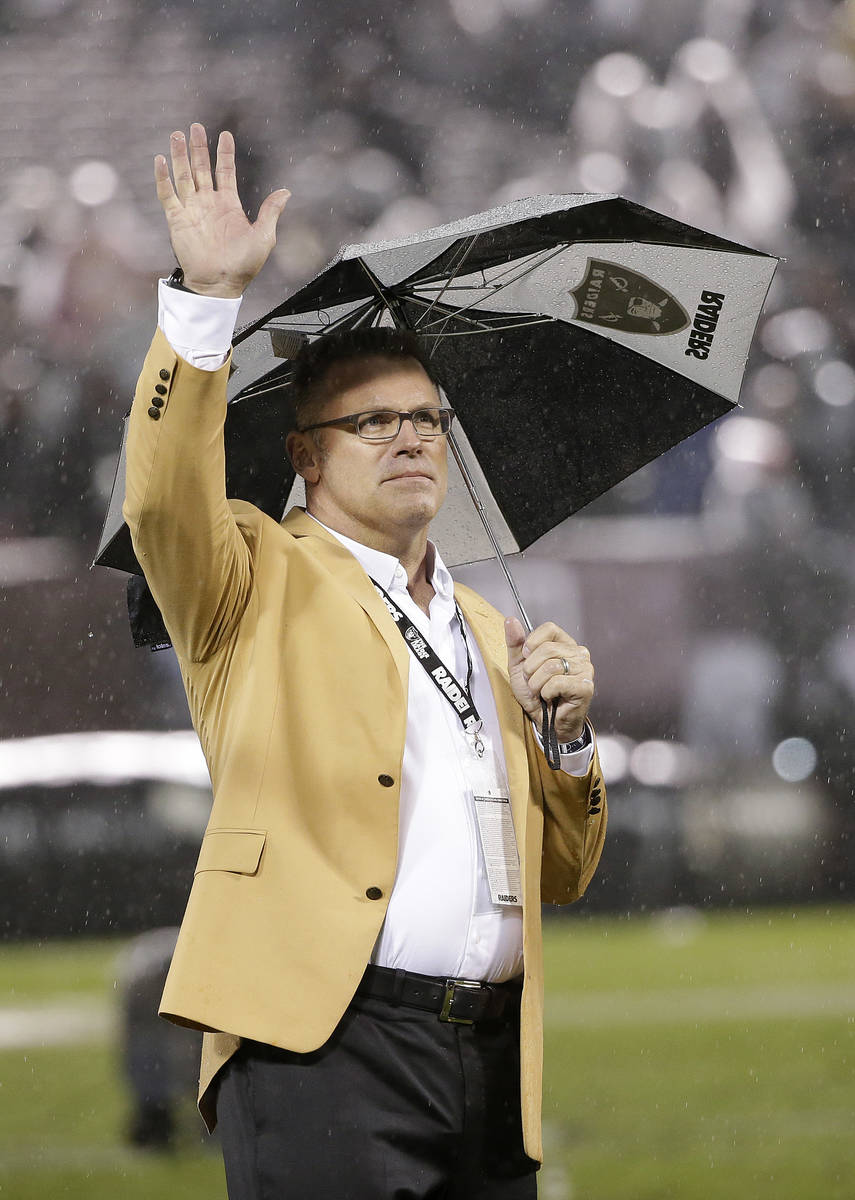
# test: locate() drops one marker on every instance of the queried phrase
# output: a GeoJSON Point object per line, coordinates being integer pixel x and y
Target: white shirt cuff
{"type": "Point", "coordinates": [578, 763]}
{"type": "Point", "coordinates": [198, 328]}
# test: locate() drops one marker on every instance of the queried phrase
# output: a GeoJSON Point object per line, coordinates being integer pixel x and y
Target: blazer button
{"type": "Point", "coordinates": [164, 374]}
{"type": "Point", "coordinates": [385, 780]}
{"type": "Point", "coordinates": [160, 389]}
{"type": "Point", "coordinates": [154, 413]}
{"type": "Point", "coordinates": [373, 893]}
{"type": "Point", "coordinates": [157, 401]}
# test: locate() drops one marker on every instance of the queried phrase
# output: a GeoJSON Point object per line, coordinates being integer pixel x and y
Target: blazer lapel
{"type": "Point", "coordinates": [481, 619]}
{"type": "Point", "coordinates": [351, 576]}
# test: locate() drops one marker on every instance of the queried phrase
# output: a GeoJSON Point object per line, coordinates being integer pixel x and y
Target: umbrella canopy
{"type": "Point", "coordinates": [578, 338]}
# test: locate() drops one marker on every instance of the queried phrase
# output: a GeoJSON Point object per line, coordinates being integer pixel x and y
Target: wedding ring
{"type": "Point", "coordinates": [565, 664]}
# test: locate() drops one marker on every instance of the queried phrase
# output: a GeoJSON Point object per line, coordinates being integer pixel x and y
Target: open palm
{"type": "Point", "coordinates": [218, 247]}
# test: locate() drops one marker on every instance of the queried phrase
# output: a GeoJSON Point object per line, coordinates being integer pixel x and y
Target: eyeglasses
{"type": "Point", "coordinates": [384, 425]}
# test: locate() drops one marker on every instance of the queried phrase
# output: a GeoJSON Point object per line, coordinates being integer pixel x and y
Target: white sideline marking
{"type": "Point", "coordinates": [78, 1020]}
{"type": "Point", "coordinates": [691, 1005]}
{"type": "Point", "coordinates": [58, 1023]}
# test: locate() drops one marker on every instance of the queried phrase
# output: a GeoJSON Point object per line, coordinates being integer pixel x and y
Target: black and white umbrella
{"type": "Point", "coordinates": [578, 337]}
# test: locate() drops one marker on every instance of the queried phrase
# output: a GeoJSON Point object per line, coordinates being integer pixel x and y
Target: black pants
{"type": "Point", "coordinates": [397, 1105]}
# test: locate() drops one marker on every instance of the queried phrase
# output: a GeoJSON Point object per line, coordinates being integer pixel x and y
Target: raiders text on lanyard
{"type": "Point", "coordinates": [457, 695]}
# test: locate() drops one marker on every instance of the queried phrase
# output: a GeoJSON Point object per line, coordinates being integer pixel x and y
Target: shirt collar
{"type": "Point", "coordinates": [382, 567]}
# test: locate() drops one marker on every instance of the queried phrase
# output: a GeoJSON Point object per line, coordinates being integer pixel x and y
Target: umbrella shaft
{"type": "Point", "coordinates": [476, 499]}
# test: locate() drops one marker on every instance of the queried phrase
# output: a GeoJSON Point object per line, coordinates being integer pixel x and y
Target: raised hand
{"type": "Point", "coordinates": [219, 248]}
{"type": "Point", "coordinates": [536, 671]}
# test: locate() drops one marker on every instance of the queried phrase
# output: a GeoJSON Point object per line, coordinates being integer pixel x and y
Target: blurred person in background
{"type": "Point", "coordinates": [370, 993]}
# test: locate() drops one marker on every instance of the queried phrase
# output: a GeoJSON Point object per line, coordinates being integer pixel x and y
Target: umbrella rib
{"type": "Point", "coordinates": [447, 313]}
{"type": "Point", "coordinates": [495, 322]}
{"type": "Point", "coordinates": [495, 291]}
{"type": "Point", "coordinates": [487, 324]}
{"type": "Point", "coordinates": [330, 327]}
{"type": "Point", "coordinates": [467, 250]}
{"type": "Point", "coordinates": [367, 312]}
{"type": "Point", "coordinates": [280, 382]}
{"type": "Point", "coordinates": [490, 329]}
{"type": "Point", "coordinates": [531, 261]}
{"type": "Point", "coordinates": [373, 280]}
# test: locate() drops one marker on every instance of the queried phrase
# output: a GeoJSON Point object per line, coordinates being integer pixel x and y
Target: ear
{"type": "Point", "coordinates": [304, 456]}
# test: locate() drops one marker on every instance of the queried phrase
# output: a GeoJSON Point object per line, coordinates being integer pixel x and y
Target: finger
{"type": "Point", "coordinates": [163, 185]}
{"type": "Point", "coordinates": [200, 159]}
{"type": "Point", "coordinates": [567, 689]}
{"type": "Point", "coordinates": [515, 640]}
{"type": "Point", "coordinates": [553, 668]}
{"type": "Point", "coordinates": [181, 173]}
{"type": "Point", "coordinates": [271, 211]}
{"type": "Point", "coordinates": [225, 168]}
{"type": "Point", "coordinates": [548, 632]}
{"type": "Point", "coordinates": [555, 654]}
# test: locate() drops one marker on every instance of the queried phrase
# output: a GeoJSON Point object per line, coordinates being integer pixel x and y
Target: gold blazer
{"type": "Point", "coordinates": [297, 677]}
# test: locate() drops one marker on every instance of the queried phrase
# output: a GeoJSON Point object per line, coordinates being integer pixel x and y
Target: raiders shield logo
{"type": "Point", "coordinates": [617, 298]}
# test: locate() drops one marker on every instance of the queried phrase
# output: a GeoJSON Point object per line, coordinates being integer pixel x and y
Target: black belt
{"type": "Point", "coordinates": [458, 1001]}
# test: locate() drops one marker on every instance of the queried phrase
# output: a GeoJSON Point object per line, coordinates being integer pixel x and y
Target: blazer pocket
{"type": "Point", "coordinates": [236, 850]}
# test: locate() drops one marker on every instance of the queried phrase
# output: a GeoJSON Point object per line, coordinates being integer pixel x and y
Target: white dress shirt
{"type": "Point", "coordinates": [440, 919]}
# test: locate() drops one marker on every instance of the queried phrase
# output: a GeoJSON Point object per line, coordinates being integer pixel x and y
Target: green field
{"type": "Point", "coordinates": [688, 1057]}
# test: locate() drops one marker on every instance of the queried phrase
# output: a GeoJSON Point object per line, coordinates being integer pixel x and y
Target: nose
{"type": "Point", "coordinates": [407, 439]}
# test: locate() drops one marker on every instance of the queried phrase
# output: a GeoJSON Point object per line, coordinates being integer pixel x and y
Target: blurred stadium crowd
{"type": "Point", "coordinates": [733, 115]}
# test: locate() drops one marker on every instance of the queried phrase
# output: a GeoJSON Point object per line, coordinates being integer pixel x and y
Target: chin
{"type": "Point", "coordinates": [416, 514]}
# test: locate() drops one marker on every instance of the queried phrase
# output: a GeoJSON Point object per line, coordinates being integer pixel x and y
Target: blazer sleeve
{"type": "Point", "coordinates": [195, 554]}
{"type": "Point", "coordinates": [574, 825]}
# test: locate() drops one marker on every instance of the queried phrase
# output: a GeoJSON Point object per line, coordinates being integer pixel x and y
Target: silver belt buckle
{"type": "Point", "coordinates": [451, 985]}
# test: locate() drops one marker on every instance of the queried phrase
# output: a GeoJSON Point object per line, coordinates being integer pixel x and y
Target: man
{"type": "Point", "coordinates": [362, 940]}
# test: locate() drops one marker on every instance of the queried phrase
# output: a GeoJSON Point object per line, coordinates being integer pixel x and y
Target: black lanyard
{"type": "Point", "coordinates": [457, 695]}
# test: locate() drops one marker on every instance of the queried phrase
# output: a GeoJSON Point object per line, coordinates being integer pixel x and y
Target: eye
{"type": "Point", "coordinates": [376, 423]}
{"type": "Point", "coordinates": [427, 420]}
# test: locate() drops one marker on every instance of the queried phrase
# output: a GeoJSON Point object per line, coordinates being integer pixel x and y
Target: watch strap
{"type": "Point", "coordinates": [176, 280]}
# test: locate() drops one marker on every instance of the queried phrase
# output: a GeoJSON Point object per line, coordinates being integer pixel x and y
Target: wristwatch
{"type": "Point", "coordinates": [579, 744]}
{"type": "Point", "coordinates": [176, 280]}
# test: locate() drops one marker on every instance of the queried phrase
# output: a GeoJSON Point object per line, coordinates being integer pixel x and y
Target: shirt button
{"type": "Point", "coordinates": [164, 374]}
{"type": "Point", "coordinates": [385, 780]}
{"type": "Point", "coordinates": [373, 893]}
